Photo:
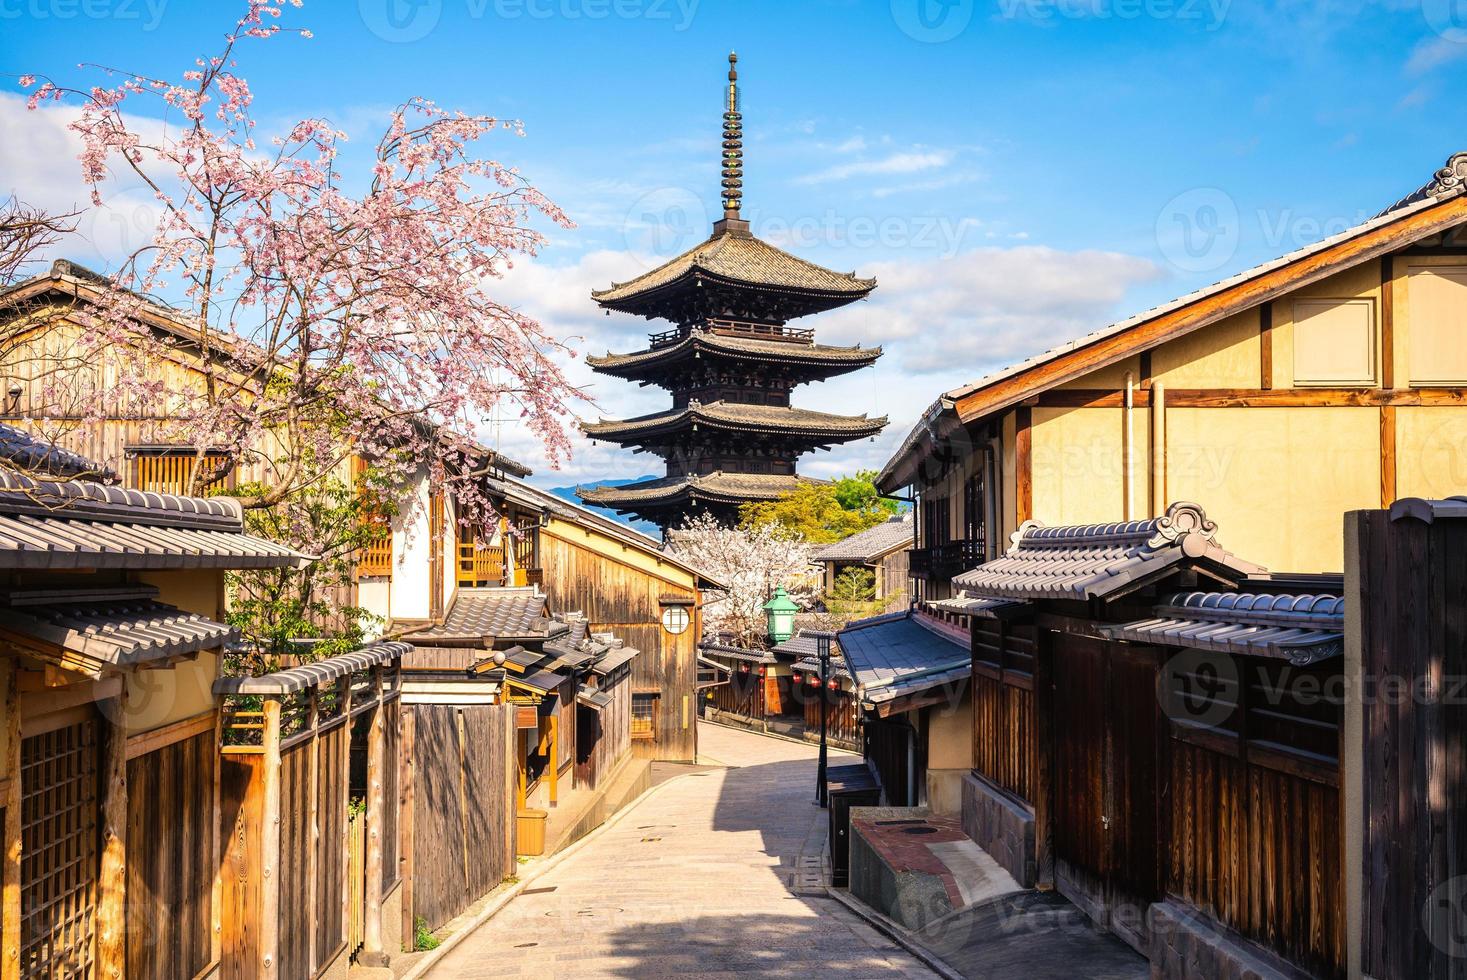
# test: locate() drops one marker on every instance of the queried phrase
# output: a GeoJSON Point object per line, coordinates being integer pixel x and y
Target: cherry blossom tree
{"type": "Point", "coordinates": [750, 561]}
{"type": "Point", "coordinates": [326, 321]}
{"type": "Point", "coordinates": [25, 231]}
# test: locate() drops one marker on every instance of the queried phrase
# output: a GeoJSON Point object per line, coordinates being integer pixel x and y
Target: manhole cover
{"type": "Point", "coordinates": [540, 891]}
{"type": "Point", "coordinates": [590, 913]}
{"type": "Point", "coordinates": [650, 840]}
{"type": "Point", "coordinates": [920, 830]}
{"type": "Point", "coordinates": [525, 945]}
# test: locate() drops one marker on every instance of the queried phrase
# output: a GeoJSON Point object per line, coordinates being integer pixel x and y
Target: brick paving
{"type": "Point", "coordinates": [701, 880]}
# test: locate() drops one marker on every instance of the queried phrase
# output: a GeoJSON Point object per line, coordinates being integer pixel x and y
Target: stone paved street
{"type": "Point", "coordinates": [694, 882]}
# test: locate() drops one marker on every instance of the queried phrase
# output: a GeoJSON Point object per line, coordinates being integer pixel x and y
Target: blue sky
{"type": "Point", "coordinates": [1015, 172]}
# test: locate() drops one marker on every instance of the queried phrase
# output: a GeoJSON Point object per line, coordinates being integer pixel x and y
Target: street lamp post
{"type": "Point", "coordinates": [822, 649]}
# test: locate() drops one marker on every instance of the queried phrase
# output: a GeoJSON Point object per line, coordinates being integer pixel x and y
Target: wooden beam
{"type": "Point", "coordinates": [1009, 391]}
{"type": "Point", "coordinates": [112, 879]}
{"type": "Point", "coordinates": [1145, 365]}
{"type": "Point", "coordinates": [270, 868]}
{"type": "Point", "coordinates": [372, 952]}
{"type": "Point", "coordinates": [1387, 455]}
{"type": "Point", "coordinates": [313, 820]}
{"type": "Point", "coordinates": [10, 914]}
{"type": "Point", "coordinates": [1024, 463]}
{"type": "Point", "coordinates": [144, 742]}
{"type": "Point", "coordinates": [553, 748]}
{"type": "Point", "coordinates": [1158, 449]}
{"type": "Point", "coordinates": [408, 719]}
{"type": "Point", "coordinates": [216, 840]}
{"type": "Point", "coordinates": [1260, 397]}
{"type": "Point", "coordinates": [1265, 346]}
{"type": "Point", "coordinates": [1387, 322]}
{"type": "Point", "coordinates": [344, 699]}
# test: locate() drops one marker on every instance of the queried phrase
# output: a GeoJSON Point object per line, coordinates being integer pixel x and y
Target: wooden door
{"type": "Point", "coordinates": [60, 851]}
{"type": "Point", "coordinates": [1105, 721]}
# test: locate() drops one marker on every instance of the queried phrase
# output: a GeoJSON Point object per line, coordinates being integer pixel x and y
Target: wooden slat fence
{"type": "Point", "coordinates": [463, 812]}
{"type": "Point", "coordinates": [356, 881]}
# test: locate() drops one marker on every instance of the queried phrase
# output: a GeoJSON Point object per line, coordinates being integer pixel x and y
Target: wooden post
{"type": "Point", "coordinates": [343, 697]}
{"type": "Point", "coordinates": [408, 769]}
{"type": "Point", "coordinates": [554, 759]}
{"type": "Point", "coordinates": [216, 831]}
{"type": "Point", "coordinates": [112, 879]}
{"type": "Point", "coordinates": [1158, 449]}
{"type": "Point", "coordinates": [270, 845]}
{"type": "Point", "coordinates": [372, 952]}
{"type": "Point", "coordinates": [463, 790]}
{"type": "Point", "coordinates": [313, 796]}
{"type": "Point", "coordinates": [10, 920]}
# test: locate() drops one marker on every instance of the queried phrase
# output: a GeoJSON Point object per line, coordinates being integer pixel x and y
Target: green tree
{"type": "Point", "coordinates": [273, 608]}
{"type": "Point", "coordinates": [824, 512]}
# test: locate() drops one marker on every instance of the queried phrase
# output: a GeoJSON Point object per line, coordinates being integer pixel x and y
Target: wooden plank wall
{"type": "Point", "coordinates": [463, 807]}
{"type": "Point", "coordinates": [1413, 637]}
{"type": "Point", "coordinates": [170, 870]}
{"type": "Point", "coordinates": [1005, 749]}
{"type": "Point", "coordinates": [623, 600]}
{"type": "Point", "coordinates": [241, 795]}
{"type": "Point", "coordinates": [1259, 850]}
{"type": "Point", "coordinates": [604, 736]}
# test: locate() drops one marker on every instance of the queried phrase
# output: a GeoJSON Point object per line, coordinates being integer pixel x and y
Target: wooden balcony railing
{"type": "Point", "coordinates": [941, 562]}
{"type": "Point", "coordinates": [376, 558]}
{"type": "Point", "coordinates": [479, 565]}
{"type": "Point", "coordinates": [738, 328]}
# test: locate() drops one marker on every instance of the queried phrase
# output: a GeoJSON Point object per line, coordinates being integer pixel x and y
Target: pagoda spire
{"type": "Point", "coordinates": [733, 145]}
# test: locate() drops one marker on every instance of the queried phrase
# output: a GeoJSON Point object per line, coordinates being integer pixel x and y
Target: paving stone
{"type": "Point", "coordinates": [733, 889]}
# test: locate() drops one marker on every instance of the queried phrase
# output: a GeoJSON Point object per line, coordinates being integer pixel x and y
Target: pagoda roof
{"type": "Point", "coordinates": [735, 256]}
{"type": "Point", "coordinates": [720, 488]}
{"type": "Point", "coordinates": [840, 359]}
{"type": "Point", "coordinates": [775, 419]}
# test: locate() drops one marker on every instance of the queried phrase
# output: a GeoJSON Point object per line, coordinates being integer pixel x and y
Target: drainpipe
{"type": "Point", "coordinates": [1128, 449]}
{"type": "Point", "coordinates": [1158, 448]}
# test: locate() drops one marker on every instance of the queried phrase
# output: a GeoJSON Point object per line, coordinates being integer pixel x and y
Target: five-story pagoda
{"type": "Point", "coordinates": [730, 361]}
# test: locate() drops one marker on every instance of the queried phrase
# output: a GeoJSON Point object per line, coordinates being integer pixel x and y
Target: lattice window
{"type": "Point", "coordinates": [60, 859]}
{"type": "Point", "coordinates": [376, 558]}
{"type": "Point", "coordinates": [170, 471]}
{"type": "Point", "coordinates": [644, 716]}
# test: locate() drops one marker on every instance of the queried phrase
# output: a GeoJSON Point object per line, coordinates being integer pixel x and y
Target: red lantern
{"type": "Point", "coordinates": [834, 684]}
{"type": "Point", "coordinates": [814, 681]}
{"type": "Point", "coordinates": [761, 671]}
{"type": "Point", "coordinates": [743, 668]}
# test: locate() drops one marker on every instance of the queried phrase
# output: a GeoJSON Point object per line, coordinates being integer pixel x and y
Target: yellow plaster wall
{"type": "Point", "coordinates": [1360, 282]}
{"type": "Point", "coordinates": [950, 735]}
{"type": "Point", "coordinates": [1277, 480]}
{"type": "Point", "coordinates": [153, 698]}
{"type": "Point", "coordinates": [1431, 452]}
{"type": "Point", "coordinates": [1078, 463]}
{"type": "Point", "coordinates": [194, 590]}
{"type": "Point", "coordinates": [1401, 307]}
{"type": "Point", "coordinates": [1008, 480]}
{"type": "Point", "coordinates": [1227, 354]}
{"type": "Point", "coordinates": [1113, 376]}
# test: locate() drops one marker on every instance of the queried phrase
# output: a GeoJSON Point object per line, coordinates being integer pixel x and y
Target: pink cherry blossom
{"type": "Point", "coordinates": [333, 319]}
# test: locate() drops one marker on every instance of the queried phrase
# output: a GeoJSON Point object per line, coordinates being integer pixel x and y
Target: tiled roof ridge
{"type": "Point", "coordinates": [751, 347]}
{"type": "Point", "coordinates": [1262, 607]}
{"type": "Point", "coordinates": [1181, 520]}
{"type": "Point", "coordinates": [23, 494]}
{"type": "Point", "coordinates": [739, 413]}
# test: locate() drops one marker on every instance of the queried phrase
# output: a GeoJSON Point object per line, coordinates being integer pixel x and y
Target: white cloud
{"type": "Point", "coordinates": [1434, 52]}
{"type": "Point", "coordinates": [896, 163]}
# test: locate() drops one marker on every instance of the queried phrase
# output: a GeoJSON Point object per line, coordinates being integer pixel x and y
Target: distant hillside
{"type": "Point", "coordinates": [569, 493]}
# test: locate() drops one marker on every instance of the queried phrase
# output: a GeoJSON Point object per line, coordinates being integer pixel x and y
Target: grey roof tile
{"type": "Point", "coordinates": [1103, 560]}
{"type": "Point", "coordinates": [872, 543]}
{"type": "Point", "coordinates": [1302, 629]}
{"type": "Point", "coordinates": [485, 614]}
{"type": "Point", "coordinates": [895, 655]}
{"type": "Point", "coordinates": [116, 631]}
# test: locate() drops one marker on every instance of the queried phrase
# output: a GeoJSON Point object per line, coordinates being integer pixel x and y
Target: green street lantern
{"type": "Point", "coordinates": [780, 614]}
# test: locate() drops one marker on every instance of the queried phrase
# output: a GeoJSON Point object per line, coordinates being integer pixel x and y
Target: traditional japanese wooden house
{"type": "Point", "coordinates": [1157, 734]}
{"type": "Point", "coordinates": [731, 361]}
{"type": "Point", "coordinates": [881, 551]}
{"type": "Point", "coordinates": [911, 675]}
{"type": "Point", "coordinates": [1328, 379]}
{"type": "Point", "coordinates": [110, 619]}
